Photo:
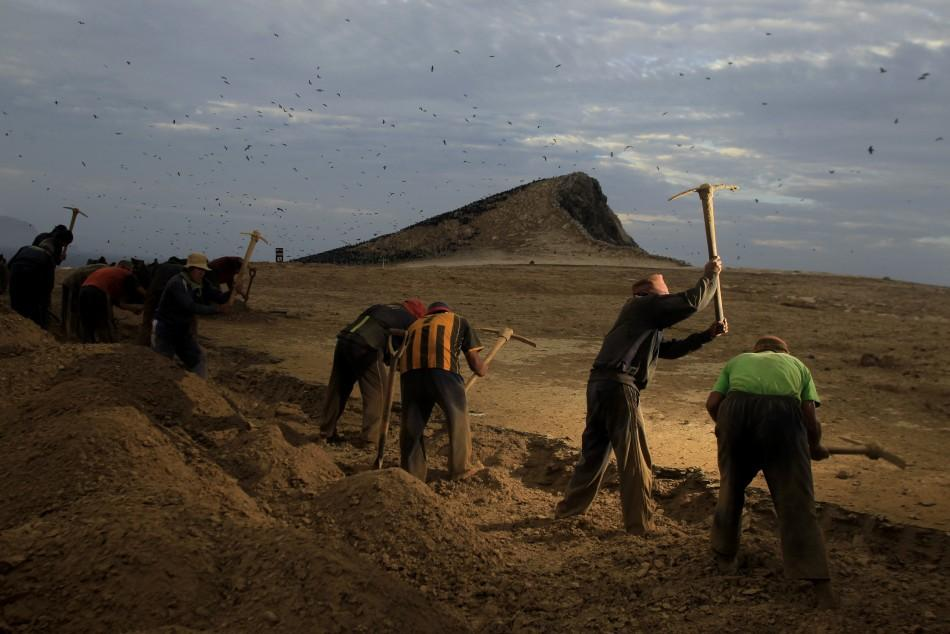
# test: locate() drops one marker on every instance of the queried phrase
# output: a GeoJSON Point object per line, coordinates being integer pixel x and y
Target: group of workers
{"type": "Point", "coordinates": [763, 405]}
{"type": "Point", "coordinates": [178, 291]}
{"type": "Point", "coordinates": [763, 402]}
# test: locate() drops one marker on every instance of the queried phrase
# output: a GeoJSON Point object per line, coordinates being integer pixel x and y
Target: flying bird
{"type": "Point", "coordinates": [923, 76]}
{"type": "Point", "coordinates": [870, 149]}
{"type": "Point", "coordinates": [882, 69]}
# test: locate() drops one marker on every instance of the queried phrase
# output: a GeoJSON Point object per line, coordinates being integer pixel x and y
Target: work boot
{"type": "Point", "coordinates": [727, 565]}
{"type": "Point", "coordinates": [825, 598]}
{"type": "Point", "coordinates": [336, 438]}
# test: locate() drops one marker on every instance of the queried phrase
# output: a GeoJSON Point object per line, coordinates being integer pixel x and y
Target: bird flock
{"type": "Point", "coordinates": [234, 164]}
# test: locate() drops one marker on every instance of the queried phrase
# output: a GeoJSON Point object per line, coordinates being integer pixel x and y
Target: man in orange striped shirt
{"type": "Point", "coordinates": [430, 374]}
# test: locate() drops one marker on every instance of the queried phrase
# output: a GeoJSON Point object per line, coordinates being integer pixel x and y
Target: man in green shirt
{"type": "Point", "coordinates": [763, 405]}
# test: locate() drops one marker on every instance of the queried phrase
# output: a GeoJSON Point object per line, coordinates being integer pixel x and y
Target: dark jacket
{"type": "Point", "coordinates": [370, 328]}
{"type": "Point", "coordinates": [635, 341]}
{"type": "Point", "coordinates": [181, 301]}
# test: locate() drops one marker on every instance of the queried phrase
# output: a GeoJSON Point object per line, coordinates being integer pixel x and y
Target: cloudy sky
{"type": "Point", "coordinates": [178, 124]}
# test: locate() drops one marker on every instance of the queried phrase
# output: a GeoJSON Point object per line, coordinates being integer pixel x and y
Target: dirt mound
{"type": "Point", "coordinates": [266, 463]}
{"type": "Point", "coordinates": [117, 515]}
{"type": "Point", "coordinates": [135, 376]}
{"type": "Point", "coordinates": [561, 215]}
{"type": "Point", "coordinates": [111, 452]}
{"type": "Point", "coordinates": [397, 520]}
{"type": "Point", "coordinates": [18, 335]}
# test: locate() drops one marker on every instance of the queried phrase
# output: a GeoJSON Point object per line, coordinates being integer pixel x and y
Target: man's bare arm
{"type": "Point", "coordinates": [813, 429]}
{"type": "Point", "coordinates": [713, 401]}
{"type": "Point", "coordinates": [475, 362]}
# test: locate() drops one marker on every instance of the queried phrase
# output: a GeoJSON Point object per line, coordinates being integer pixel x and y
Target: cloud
{"type": "Point", "coordinates": [786, 220]}
{"type": "Point", "coordinates": [936, 241]}
{"type": "Point", "coordinates": [664, 218]}
{"type": "Point", "coordinates": [788, 244]}
{"type": "Point", "coordinates": [181, 126]}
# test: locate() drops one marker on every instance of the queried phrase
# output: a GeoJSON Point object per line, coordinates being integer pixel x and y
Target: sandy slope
{"type": "Point", "coordinates": [899, 397]}
{"type": "Point", "coordinates": [139, 498]}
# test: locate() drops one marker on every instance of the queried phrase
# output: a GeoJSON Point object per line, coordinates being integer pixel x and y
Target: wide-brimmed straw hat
{"type": "Point", "coordinates": [197, 261]}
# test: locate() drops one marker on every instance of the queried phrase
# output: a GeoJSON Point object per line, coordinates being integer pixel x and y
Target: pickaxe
{"type": "Point", "coordinates": [252, 273]}
{"type": "Point", "coordinates": [394, 355]}
{"type": "Point", "coordinates": [255, 237]}
{"type": "Point", "coordinates": [72, 222]}
{"type": "Point", "coordinates": [871, 450]}
{"type": "Point", "coordinates": [504, 336]}
{"type": "Point", "coordinates": [706, 192]}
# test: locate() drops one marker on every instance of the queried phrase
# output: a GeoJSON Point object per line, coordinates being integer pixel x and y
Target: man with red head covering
{"type": "Point", "coordinates": [763, 404]}
{"type": "Point", "coordinates": [622, 369]}
{"type": "Point", "coordinates": [360, 355]}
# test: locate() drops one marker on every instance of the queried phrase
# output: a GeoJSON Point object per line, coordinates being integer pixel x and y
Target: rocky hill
{"type": "Point", "coordinates": [566, 215]}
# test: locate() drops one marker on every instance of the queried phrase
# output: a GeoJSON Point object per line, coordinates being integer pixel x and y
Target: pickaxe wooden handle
{"type": "Point", "coordinates": [255, 237]}
{"type": "Point", "coordinates": [504, 335]}
{"type": "Point", "coordinates": [389, 394]}
{"type": "Point", "coordinates": [72, 223]}
{"type": "Point", "coordinates": [871, 450]}
{"type": "Point", "coordinates": [706, 192]}
{"type": "Point", "coordinates": [76, 212]}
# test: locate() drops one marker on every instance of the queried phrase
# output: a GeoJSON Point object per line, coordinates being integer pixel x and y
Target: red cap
{"type": "Point", "coordinates": [438, 307]}
{"type": "Point", "coordinates": [415, 307]}
{"type": "Point", "coordinates": [770, 343]}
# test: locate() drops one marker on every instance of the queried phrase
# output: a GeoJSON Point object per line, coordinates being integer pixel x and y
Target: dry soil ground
{"type": "Point", "coordinates": [874, 347]}
{"type": "Point", "coordinates": [139, 498]}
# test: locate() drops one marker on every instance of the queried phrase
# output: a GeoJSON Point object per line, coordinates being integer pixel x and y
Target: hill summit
{"type": "Point", "coordinates": [564, 216]}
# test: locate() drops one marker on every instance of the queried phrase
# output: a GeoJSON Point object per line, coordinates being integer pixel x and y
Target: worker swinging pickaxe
{"type": "Point", "coordinates": [255, 237]}
{"type": "Point", "coordinates": [706, 192]}
{"type": "Point", "coordinates": [72, 223]}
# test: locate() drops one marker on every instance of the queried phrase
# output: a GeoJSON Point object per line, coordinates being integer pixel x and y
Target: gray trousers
{"type": "Point", "coordinates": [766, 433]}
{"type": "Point", "coordinates": [420, 391]}
{"type": "Point", "coordinates": [352, 363]}
{"type": "Point", "coordinates": [613, 420]}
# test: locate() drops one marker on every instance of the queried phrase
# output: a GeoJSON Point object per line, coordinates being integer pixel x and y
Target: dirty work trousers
{"type": "Point", "coordinates": [421, 390]}
{"type": "Point", "coordinates": [31, 284]}
{"type": "Point", "coordinates": [95, 316]}
{"type": "Point", "coordinates": [355, 362]}
{"type": "Point", "coordinates": [181, 341]}
{"type": "Point", "coordinates": [613, 420]}
{"type": "Point", "coordinates": [766, 433]}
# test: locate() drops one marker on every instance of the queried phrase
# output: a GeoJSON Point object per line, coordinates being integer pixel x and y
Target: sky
{"type": "Point", "coordinates": [177, 125]}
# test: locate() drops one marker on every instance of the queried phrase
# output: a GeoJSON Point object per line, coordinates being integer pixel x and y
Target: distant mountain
{"type": "Point", "coordinates": [564, 216]}
{"type": "Point", "coordinates": [15, 233]}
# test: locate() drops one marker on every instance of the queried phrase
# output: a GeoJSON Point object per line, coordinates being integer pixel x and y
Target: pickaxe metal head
{"type": "Point", "coordinates": [706, 189]}
{"type": "Point", "coordinates": [508, 334]}
{"type": "Point", "coordinates": [75, 211]}
{"type": "Point", "coordinates": [256, 235]}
